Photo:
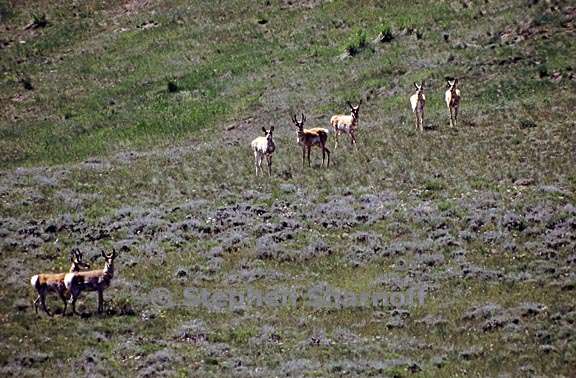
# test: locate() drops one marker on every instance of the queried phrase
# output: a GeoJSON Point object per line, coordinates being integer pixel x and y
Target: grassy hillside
{"type": "Point", "coordinates": [127, 124]}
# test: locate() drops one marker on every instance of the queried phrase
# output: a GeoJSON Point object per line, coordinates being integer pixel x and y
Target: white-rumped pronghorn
{"type": "Point", "coordinates": [94, 280]}
{"type": "Point", "coordinates": [264, 147]}
{"type": "Point", "coordinates": [346, 124]}
{"type": "Point", "coordinates": [418, 102]}
{"type": "Point", "coordinates": [307, 138]}
{"type": "Point", "coordinates": [452, 98]}
{"type": "Point", "coordinates": [54, 283]}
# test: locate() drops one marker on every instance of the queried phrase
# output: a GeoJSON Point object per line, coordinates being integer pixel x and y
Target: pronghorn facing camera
{"type": "Point", "coordinates": [418, 102]}
{"type": "Point", "coordinates": [264, 146]}
{"type": "Point", "coordinates": [54, 283]}
{"type": "Point", "coordinates": [346, 124]}
{"type": "Point", "coordinates": [452, 98]}
{"type": "Point", "coordinates": [94, 280]}
{"type": "Point", "coordinates": [311, 137]}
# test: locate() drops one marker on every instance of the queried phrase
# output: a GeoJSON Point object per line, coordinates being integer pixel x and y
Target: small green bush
{"type": "Point", "coordinates": [356, 43]}
{"type": "Point", "coordinates": [385, 34]}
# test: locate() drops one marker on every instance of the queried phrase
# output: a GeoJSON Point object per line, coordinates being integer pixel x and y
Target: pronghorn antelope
{"type": "Point", "coordinates": [46, 283]}
{"type": "Point", "coordinates": [311, 137]}
{"type": "Point", "coordinates": [452, 98]}
{"type": "Point", "coordinates": [418, 101]}
{"type": "Point", "coordinates": [94, 280]}
{"type": "Point", "coordinates": [264, 147]}
{"type": "Point", "coordinates": [346, 124]}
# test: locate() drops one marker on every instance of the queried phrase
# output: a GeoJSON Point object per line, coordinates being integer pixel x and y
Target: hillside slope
{"type": "Point", "coordinates": [127, 124]}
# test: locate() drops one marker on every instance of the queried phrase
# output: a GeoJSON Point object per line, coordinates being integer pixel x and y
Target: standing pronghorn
{"type": "Point", "coordinates": [264, 147]}
{"type": "Point", "coordinates": [311, 137]}
{"type": "Point", "coordinates": [94, 280]}
{"type": "Point", "coordinates": [54, 282]}
{"type": "Point", "coordinates": [453, 100]}
{"type": "Point", "coordinates": [418, 102]}
{"type": "Point", "coordinates": [346, 124]}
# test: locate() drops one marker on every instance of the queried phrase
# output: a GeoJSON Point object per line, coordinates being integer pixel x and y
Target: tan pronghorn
{"type": "Point", "coordinates": [54, 283]}
{"type": "Point", "coordinates": [346, 124]}
{"type": "Point", "coordinates": [311, 137]}
{"type": "Point", "coordinates": [264, 146]}
{"type": "Point", "coordinates": [94, 280]}
{"type": "Point", "coordinates": [418, 102]}
{"type": "Point", "coordinates": [452, 98]}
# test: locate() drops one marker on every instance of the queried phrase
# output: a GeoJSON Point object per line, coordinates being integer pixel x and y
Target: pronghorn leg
{"type": "Point", "coordinates": [260, 158]}
{"type": "Point", "coordinates": [336, 138]}
{"type": "Point", "coordinates": [269, 160]}
{"type": "Point", "coordinates": [100, 301]}
{"type": "Point", "coordinates": [455, 115]}
{"type": "Point", "coordinates": [36, 303]}
{"type": "Point", "coordinates": [309, 165]}
{"type": "Point", "coordinates": [43, 302]}
{"type": "Point", "coordinates": [63, 297]}
{"type": "Point", "coordinates": [328, 152]}
{"type": "Point", "coordinates": [323, 154]}
{"type": "Point", "coordinates": [422, 121]}
{"type": "Point", "coordinates": [256, 162]}
{"type": "Point", "coordinates": [451, 116]}
{"type": "Point", "coordinates": [303, 156]}
{"type": "Point", "coordinates": [73, 299]}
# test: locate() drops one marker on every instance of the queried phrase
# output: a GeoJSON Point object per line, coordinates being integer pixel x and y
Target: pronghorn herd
{"type": "Point", "coordinates": [69, 285]}
{"type": "Point", "coordinates": [264, 146]}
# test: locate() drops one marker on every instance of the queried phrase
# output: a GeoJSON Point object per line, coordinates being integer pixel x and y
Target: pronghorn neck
{"type": "Point", "coordinates": [420, 96]}
{"type": "Point", "coordinates": [75, 267]}
{"type": "Point", "coordinates": [270, 146]}
{"type": "Point", "coordinates": [354, 118]}
{"type": "Point", "coordinates": [108, 270]}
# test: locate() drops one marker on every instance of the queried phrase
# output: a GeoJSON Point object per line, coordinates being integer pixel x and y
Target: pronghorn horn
{"type": "Point", "coordinates": [349, 104]}
{"type": "Point", "coordinates": [303, 118]}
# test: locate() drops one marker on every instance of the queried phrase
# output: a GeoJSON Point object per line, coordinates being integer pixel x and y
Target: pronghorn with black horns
{"type": "Point", "coordinates": [307, 138]}
{"type": "Point", "coordinates": [452, 98]}
{"type": "Point", "coordinates": [94, 280]}
{"type": "Point", "coordinates": [418, 102]}
{"type": "Point", "coordinates": [54, 282]}
{"type": "Point", "coordinates": [346, 124]}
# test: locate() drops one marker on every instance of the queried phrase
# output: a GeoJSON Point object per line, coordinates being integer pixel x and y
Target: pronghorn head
{"type": "Point", "coordinates": [268, 133]}
{"type": "Point", "coordinates": [453, 84]}
{"type": "Point", "coordinates": [299, 124]}
{"type": "Point", "coordinates": [419, 88]}
{"type": "Point", "coordinates": [109, 259]}
{"type": "Point", "coordinates": [354, 109]}
{"type": "Point", "coordinates": [76, 260]}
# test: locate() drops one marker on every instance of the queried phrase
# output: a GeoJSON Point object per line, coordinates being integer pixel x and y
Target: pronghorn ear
{"type": "Point", "coordinates": [272, 129]}
{"type": "Point", "coordinates": [416, 86]}
{"type": "Point", "coordinates": [103, 253]}
{"type": "Point", "coordinates": [303, 118]}
{"type": "Point", "coordinates": [264, 129]}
